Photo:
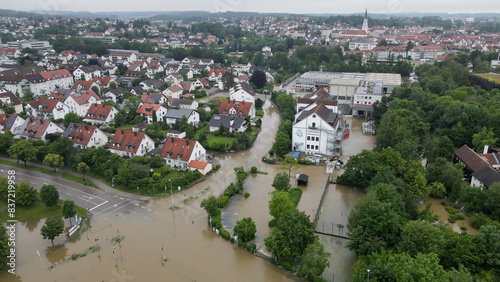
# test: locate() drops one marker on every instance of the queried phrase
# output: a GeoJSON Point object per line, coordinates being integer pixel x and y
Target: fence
{"type": "Point", "coordinates": [332, 228]}
{"type": "Point", "coordinates": [316, 216]}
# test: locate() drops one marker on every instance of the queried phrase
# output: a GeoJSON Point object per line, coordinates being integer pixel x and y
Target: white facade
{"type": "Point", "coordinates": [313, 135]}
{"type": "Point", "coordinates": [241, 95]}
{"type": "Point", "coordinates": [147, 144]}
{"type": "Point", "coordinates": [80, 109]}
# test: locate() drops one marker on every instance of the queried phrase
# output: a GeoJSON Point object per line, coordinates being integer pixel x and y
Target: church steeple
{"type": "Point", "coordinates": [365, 22]}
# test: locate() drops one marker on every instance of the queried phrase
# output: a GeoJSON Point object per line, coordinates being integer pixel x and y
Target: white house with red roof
{"type": "Point", "coordinates": [79, 103]}
{"type": "Point", "coordinates": [84, 136]}
{"type": "Point", "coordinates": [7, 97]}
{"type": "Point", "coordinates": [81, 85]}
{"type": "Point", "coordinates": [202, 167]}
{"type": "Point", "coordinates": [88, 72]}
{"type": "Point", "coordinates": [34, 128]}
{"type": "Point", "coordinates": [216, 74]}
{"type": "Point", "coordinates": [242, 92]}
{"type": "Point", "coordinates": [100, 114]}
{"type": "Point", "coordinates": [128, 143]}
{"type": "Point", "coordinates": [178, 153]}
{"type": "Point", "coordinates": [104, 81]}
{"type": "Point", "coordinates": [57, 79]}
{"type": "Point", "coordinates": [146, 111]}
{"type": "Point", "coordinates": [236, 108]}
{"type": "Point", "coordinates": [46, 108]}
{"type": "Point", "coordinates": [173, 92]}
{"type": "Point", "coordinates": [10, 123]}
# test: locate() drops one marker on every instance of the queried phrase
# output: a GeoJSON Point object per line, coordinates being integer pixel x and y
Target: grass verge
{"type": "Point", "coordinates": [37, 211]}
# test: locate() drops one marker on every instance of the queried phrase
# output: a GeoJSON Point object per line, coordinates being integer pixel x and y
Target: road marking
{"type": "Point", "coordinates": [33, 183]}
{"type": "Point", "coordinates": [149, 210]}
{"type": "Point", "coordinates": [121, 198]}
{"type": "Point", "coordinates": [143, 207]}
{"type": "Point", "coordinates": [69, 194]}
{"type": "Point", "coordinates": [136, 204]}
{"type": "Point", "coordinates": [133, 211]}
{"type": "Point", "coordinates": [98, 205]}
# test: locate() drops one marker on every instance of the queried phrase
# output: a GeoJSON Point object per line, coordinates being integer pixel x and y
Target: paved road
{"type": "Point", "coordinates": [99, 203]}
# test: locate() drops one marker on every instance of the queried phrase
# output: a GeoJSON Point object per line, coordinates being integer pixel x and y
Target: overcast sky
{"type": "Point", "coordinates": [281, 6]}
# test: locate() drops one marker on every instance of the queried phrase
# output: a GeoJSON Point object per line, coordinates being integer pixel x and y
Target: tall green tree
{"type": "Point", "coordinates": [484, 137]}
{"type": "Point", "coordinates": [25, 194]}
{"type": "Point", "coordinates": [489, 244]}
{"type": "Point", "coordinates": [280, 203]}
{"type": "Point", "coordinates": [4, 247]}
{"type": "Point", "coordinates": [290, 164]}
{"type": "Point", "coordinates": [282, 145]}
{"type": "Point", "coordinates": [245, 229]}
{"type": "Point", "coordinates": [211, 205]}
{"type": "Point", "coordinates": [71, 118]}
{"type": "Point", "coordinates": [49, 195]}
{"type": "Point", "coordinates": [313, 261]}
{"type": "Point", "coordinates": [23, 150]}
{"type": "Point", "coordinates": [83, 168]}
{"type": "Point", "coordinates": [68, 209]}
{"type": "Point", "coordinates": [282, 182]}
{"type": "Point", "coordinates": [53, 160]}
{"type": "Point", "coordinates": [421, 237]}
{"type": "Point", "coordinates": [52, 228]}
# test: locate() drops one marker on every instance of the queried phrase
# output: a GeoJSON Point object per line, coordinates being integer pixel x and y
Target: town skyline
{"type": "Point", "coordinates": [311, 7]}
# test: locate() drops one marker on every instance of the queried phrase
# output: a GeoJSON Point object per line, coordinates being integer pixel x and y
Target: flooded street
{"type": "Point", "coordinates": [192, 250]}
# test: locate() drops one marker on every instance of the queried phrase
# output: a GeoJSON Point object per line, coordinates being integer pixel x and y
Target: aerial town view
{"type": "Point", "coordinates": [249, 141]}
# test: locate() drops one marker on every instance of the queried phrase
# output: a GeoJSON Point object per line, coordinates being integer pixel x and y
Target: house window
{"type": "Point", "coordinates": [316, 147]}
{"type": "Point", "coordinates": [313, 124]}
{"type": "Point", "coordinates": [308, 138]}
{"type": "Point", "coordinates": [317, 138]}
{"type": "Point", "coordinates": [308, 147]}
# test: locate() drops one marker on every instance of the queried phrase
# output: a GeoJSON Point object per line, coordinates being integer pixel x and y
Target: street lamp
{"type": "Point", "coordinates": [237, 230]}
{"type": "Point", "coordinates": [368, 275]}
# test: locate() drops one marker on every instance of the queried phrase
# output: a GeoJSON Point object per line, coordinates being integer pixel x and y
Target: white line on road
{"type": "Point", "coordinates": [69, 194]}
{"type": "Point", "coordinates": [98, 205]}
{"type": "Point", "coordinates": [149, 210]}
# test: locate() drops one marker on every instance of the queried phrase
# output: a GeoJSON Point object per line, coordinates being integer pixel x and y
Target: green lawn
{"type": "Point", "coordinates": [210, 137]}
{"type": "Point", "coordinates": [126, 126]}
{"type": "Point", "coordinates": [36, 211]}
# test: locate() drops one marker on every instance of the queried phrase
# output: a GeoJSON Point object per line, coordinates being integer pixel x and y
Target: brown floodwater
{"type": "Point", "coordinates": [192, 250]}
{"type": "Point", "coordinates": [439, 209]}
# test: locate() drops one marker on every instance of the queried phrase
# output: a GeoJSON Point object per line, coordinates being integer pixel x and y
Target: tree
{"type": "Point", "coordinates": [291, 235]}
{"type": "Point", "coordinates": [290, 163]}
{"type": "Point", "coordinates": [49, 195]}
{"type": "Point", "coordinates": [313, 261]}
{"type": "Point", "coordinates": [65, 148]}
{"type": "Point", "coordinates": [421, 237]}
{"type": "Point", "coordinates": [4, 247]}
{"type": "Point", "coordinates": [83, 168]}
{"type": "Point", "coordinates": [71, 118]}
{"type": "Point", "coordinates": [484, 137]}
{"type": "Point", "coordinates": [258, 103]}
{"type": "Point", "coordinates": [228, 79]}
{"type": "Point", "coordinates": [282, 182]}
{"type": "Point", "coordinates": [8, 108]}
{"type": "Point", "coordinates": [282, 144]}
{"type": "Point", "coordinates": [440, 147]}
{"type": "Point", "coordinates": [258, 78]}
{"type": "Point", "coordinates": [280, 203]}
{"type": "Point", "coordinates": [382, 42]}
{"type": "Point", "coordinates": [211, 205]}
{"type": "Point", "coordinates": [68, 209]}
{"type": "Point", "coordinates": [245, 229]}
{"type": "Point", "coordinates": [23, 150]}
{"type": "Point", "coordinates": [6, 140]}
{"type": "Point", "coordinates": [53, 160]}
{"type": "Point", "coordinates": [25, 194]}
{"type": "Point", "coordinates": [489, 244]}
{"type": "Point", "coordinates": [52, 228]}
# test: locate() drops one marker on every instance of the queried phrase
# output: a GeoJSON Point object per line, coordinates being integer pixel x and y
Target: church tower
{"type": "Point", "coordinates": [365, 22]}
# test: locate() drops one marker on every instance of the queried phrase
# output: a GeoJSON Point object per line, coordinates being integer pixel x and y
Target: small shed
{"type": "Point", "coordinates": [302, 179]}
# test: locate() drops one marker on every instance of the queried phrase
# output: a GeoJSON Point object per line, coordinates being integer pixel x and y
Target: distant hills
{"type": "Point", "coordinates": [204, 15]}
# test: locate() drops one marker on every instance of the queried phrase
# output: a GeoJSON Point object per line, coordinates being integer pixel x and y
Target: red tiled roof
{"type": "Point", "coordinates": [4, 118]}
{"type": "Point", "coordinates": [48, 103]}
{"type": "Point", "coordinates": [147, 109]}
{"type": "Point", "coordinates": [86, 85]}
{"type": "Point", "coordinates": [176, 147]}
{"type": "Point", "coordinates": [104, 80]}
{"type": "Point", "coordinates": [81, 133]}
{"type": "Point", "coordinates": [126, 140]}
{"type": "Point", "coordinates": [37, 127]}
{"type": "Point", "coordinates": [83, 97]}
{"type": "Point", "coordinates": [56, 74]}
{"type": "Point", "coordinates": [241, 108]}
{"type": "Point", "coordinates": [98, 111]}
{"type": "Point", "coordinates": [197, 164]}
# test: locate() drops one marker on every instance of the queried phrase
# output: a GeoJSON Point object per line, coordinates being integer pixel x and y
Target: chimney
{"type": "Point", "coordinates": [485, 151]}
{"type": "Point", "coordinates": [135, 133]}
{"type": "Point", "coordinates": [122, 131]}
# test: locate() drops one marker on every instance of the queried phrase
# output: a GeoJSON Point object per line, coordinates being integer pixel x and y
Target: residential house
{"type": "Point", "coordinates": [34, 128]}
{"type": "Point", "coordinates": [79, 103]}
{"type": "Point", "coordinates": [82, 85]}
{"type": "Point", "coordinates": [230, 123]}
{"type": "Point", "coordinates": [151, 84]}
{"type": "Point", "coordinates": [146, 111]}
{"type": "Point", "coordinates": [120, 54]}
{"type": "Point", "coordinates": [178, 153]}
{"type": "Point", "coordinates": [67, 55]}
{"type": "Point", "coordinates": [115, 95]}
{"type": "Point", "coordinates": [362, 44]}
{"type": "Point", "coordinates": [47, 109]}
{"type": "Point", "coordinates": [87, 72]}
{"type": "Point", "coordinates": [57, 79]}
{"type": "Point", "coordinates": [243, 109]}
{"type": "Point", "coordinates": [100, 114]}
{"type": "Point", "coordinates": [154, 67]}
{"type": "Point", "coordinates": [10, 123]}
{"type": "Point", "coordinates": [153, 98]}
{"type": "Point", "coordinates": [242, 92]}
{"type": "Point", "coordinates": [85, 136]}
{"type": "Point", "coordinates": [175, 115]}
{"type": "Point", "coordinates": [318, 131]}
{"type": "Point", "coordinates": [173, 78]}
{"type": "Point", "coordinates": [187, 86]}
{"type": "Point", "coordinates": [176, 134]}
{"type": "Point", "coordinates": [185, 104]}
{"type": "Point", "coordinates": [61, 94]}
{"type": "Point", "coordinates": [203, 167]}
{"type": "Point", "coordinates": [103, 82]}
{"type": "Point", "coordinates": [216, 74]}
{"type": "Point", "coordinates": [173, 92]}
{"type": "Point", "coordinates": [485, 177]}
{"type": "Point", "coordinates": [128, 143]}
{"type": "Point", "coordinates": [7, 97]}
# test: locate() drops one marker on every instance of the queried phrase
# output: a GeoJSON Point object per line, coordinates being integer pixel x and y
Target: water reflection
{"type": "Point", "coordinates": [440, 210]}
{"type": "Point", "coordinates": [56, 253]}
{"type": "Point", "coordinates": [31, 224]}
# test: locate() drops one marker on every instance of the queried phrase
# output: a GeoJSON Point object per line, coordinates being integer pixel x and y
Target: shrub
{"type": "Point", "coordinates": [253, 169]}
{"type": "Point", "coordinates": [225, 234]}
{"type": "Point", "coordinates": [287, 265]}
{"type": "Point", "coordinates": [304, 162]}
{"type": "Point", "coordinates": [478, 220]}
{"type": "Point", "coordinates": [295, 194]}
{"type": "Point", "coordinates": [223, 201]}
{"type": "Point", "coordinates": [246, 194]}
{"type": "Point", "coordinates": [74, 256]}
{"type": "Point", "coordinates": [268, 161]}
{"type": "Point", "coordinates": [272, 223]}
{"type": "Point", "coordinates": [252, 247]}
{"type": "Point", "coordinates": [216, 222]}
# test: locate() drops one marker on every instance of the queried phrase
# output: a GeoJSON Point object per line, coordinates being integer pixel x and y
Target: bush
{"type": "Point", "coordinates": [225, 234]}
{"type": "Point", "coordinates": [216, 222]}
{"type": "Point", "coordinates": [304, 162]}
{"type": "Point", "coordinates": [246, 194]}
{"type": "Point", "coordinates": [252, 247]}
{"type": "Point", "coordinates": [287, 265]}
{"type": "Point", "coordinates": [223, 201]}
{"type": "Point", "coordinates": [478, 220]}
{"type": "Point", "coordinates": [295, 194]}
{"type": "Point", "coordinates": [272, 223]}
{"type": "Point", "coordinates": [268, 161]}
{"type": "Point", "coordinates": [253, 169]}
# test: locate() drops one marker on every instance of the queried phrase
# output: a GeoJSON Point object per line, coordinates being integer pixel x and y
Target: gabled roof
{"type": "Point", "coordinates": [197, 164]}
{"type": "Point", "coordinates": [79, 133]}
{"type": "Point", "coordinates": [243, 86]}
{"type": "Point", "coordinates": [102, 80]}
{"type": "Point", "coordinates": [237, 121]}
{"type": "Point", "coordinates": [34, 127]}
{"type": "Point", "coordinates": [61, 94]}
{"type": "Point", "coordinates": [84, 97]}
{"type": "Point", "coordinates": [323, 112]}
{"type": "Point", "coordinates": [175, 88]}
{"type": "Point", "coordinates": [126, 140]}
{"type": "Point", "coordinates": [13, 98]}
{"type": "Point", "coordinates": [56, 74]}
{"type": "Point", "coordinates": [85, 85]}
{"type": "Point", "coordinates": [151, 98]}
{"type": "Point", "coordinates": [7, 121]}
{"type": "Point", "coordinates": [176, 148]}
{"type": "Point", "coordinates": [470, 158]}
{"type": "Point", "coordinates": [241, 108]}
{"type": "Point", "coordinates": [147, 109]}
{"type": "Point", "coordinates": [487, 176]}
{"type": "Point", "coordinates": [179, 102]}
{"type": "Point", "coordinates": [48, 105]}
{"type": "Point", "coordinates": [179, 113]}
{"type": "Point", "coordinates": [99, 111]}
